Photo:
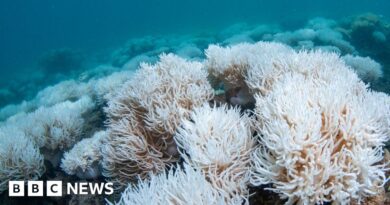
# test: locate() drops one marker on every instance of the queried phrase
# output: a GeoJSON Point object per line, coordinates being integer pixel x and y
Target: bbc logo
{"type": "Point", "coordinates": [54, 188]}
{"type": "Point", "coordinates": [35, 188]}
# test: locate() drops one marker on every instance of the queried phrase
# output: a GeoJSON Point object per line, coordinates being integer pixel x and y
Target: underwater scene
{"type": "Point", "coordinates": [179, 102]}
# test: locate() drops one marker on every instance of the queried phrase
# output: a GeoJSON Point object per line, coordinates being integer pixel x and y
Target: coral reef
{"type": "Point", "coordinates": [19, 157]}
{"type": "Point", "coordinates": [370, 33]}
{"type": "Point", "coordinates": [61, 92]}
{"type": "Point", "coordinates": [218, 141]}
{"type": "Point", "coordinates": [68, 90]}
{"type": "Point", "coordinates": [54, 128]}
{"type": "Point", "coordinates": [317, 148]}
{"type": "Point", "coordinates": [233, 67]}
{"type": "Point", "coordinates": [176, 187]}
{"type": "Point", "coordinates": [297, 110]}
{"type": "Point", "coordinates": [318, 34]}
{"type": "Point", "coordinates": [321, 138]}
{"type": "Point", "coordinates": [84, 158]}
{"type": "Point", "coordinates": [254, 114]}
{"type": "Point", "coordinates": [104, 88]}
{"type": "Point", "coordinates": [144, 115]}
{"type": "Point", "coordinates": [366, 68]}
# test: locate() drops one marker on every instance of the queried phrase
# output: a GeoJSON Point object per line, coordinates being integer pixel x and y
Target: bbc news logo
{"type": "Point", "coordinates": [55, 188]}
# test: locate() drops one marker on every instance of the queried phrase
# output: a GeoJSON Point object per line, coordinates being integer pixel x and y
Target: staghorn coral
{"type": "Point", "coordinates": [366, 68]}
{"type": "Point", "coordinates": [83, 159]}
{"type": "Point", "coordinates": [218, 141]}
{"type": "Point", "coordinates": [19, 157]}
{"type": "Point", "coordinates": [144, 115]}
{"type": "Point", "coordinates": [321, 141]}
{"type": "Point", "coordinates": [181, 187]}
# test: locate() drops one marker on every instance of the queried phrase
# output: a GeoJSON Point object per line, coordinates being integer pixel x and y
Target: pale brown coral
{"type": "Point", "coordinates": [145, 113]}
{"type": "Point", "coordinates": [379, 199]}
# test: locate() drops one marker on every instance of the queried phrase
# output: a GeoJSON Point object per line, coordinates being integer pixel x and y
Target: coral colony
{"type": "Point", "coordinates": [292, 115]}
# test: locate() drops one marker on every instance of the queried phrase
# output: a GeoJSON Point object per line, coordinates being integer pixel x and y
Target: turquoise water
{"type": "Point", "coordinates": [62, 62]}
{"type": "Point", "coordinates": [92, 29]}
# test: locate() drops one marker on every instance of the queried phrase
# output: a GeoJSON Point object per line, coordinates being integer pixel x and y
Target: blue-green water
{"type": "Point", "coordinates": [92, 29]}
{"type": "Point", "coordinates": [63, 65]}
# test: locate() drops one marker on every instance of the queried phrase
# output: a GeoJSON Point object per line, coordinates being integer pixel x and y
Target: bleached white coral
{"type": "Point", "coordinates": [301, 100]}
{"type": "Point", "coordinates": [61, 92]}
{"type": "Point", "coordinates": [56, 127]}
{"type": "Point", "coordinates": [231, 64]}
{"type": "Point", "coordinates": [130, 151]}
{"type": "Point", "coordinates": [144, 115]}
{"type": "Point", "coordinates": [183, 186]}
{"type": "Point", "coordinates": [318, 65]}
{"type": "Point", "coordinates": [105, 87]}
{"type": "Point", "coordinates": [218, 141]}
{"type": "Point", "coordinates": [19, 157]}
{"type": "Point", "coordinates": [69, 90]}
{"type": "Point", "coordinates": [83, 159]}
{"type": "Point", "coordinates": [167, 91]}
{"type": "Point", "coordinates": [367, 69]}
{"type": "Point", "coordinates": [259, 66]}
{"type": "Point", "coordinates": [239, 66]}
{"type": "Point", "coordinates": [321, 141]}
{"type": "Point", "coordinates": [53, 128]}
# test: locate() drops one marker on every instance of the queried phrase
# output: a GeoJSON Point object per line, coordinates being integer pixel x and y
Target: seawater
{"type": "Point", "coordinates": [92, 29]}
